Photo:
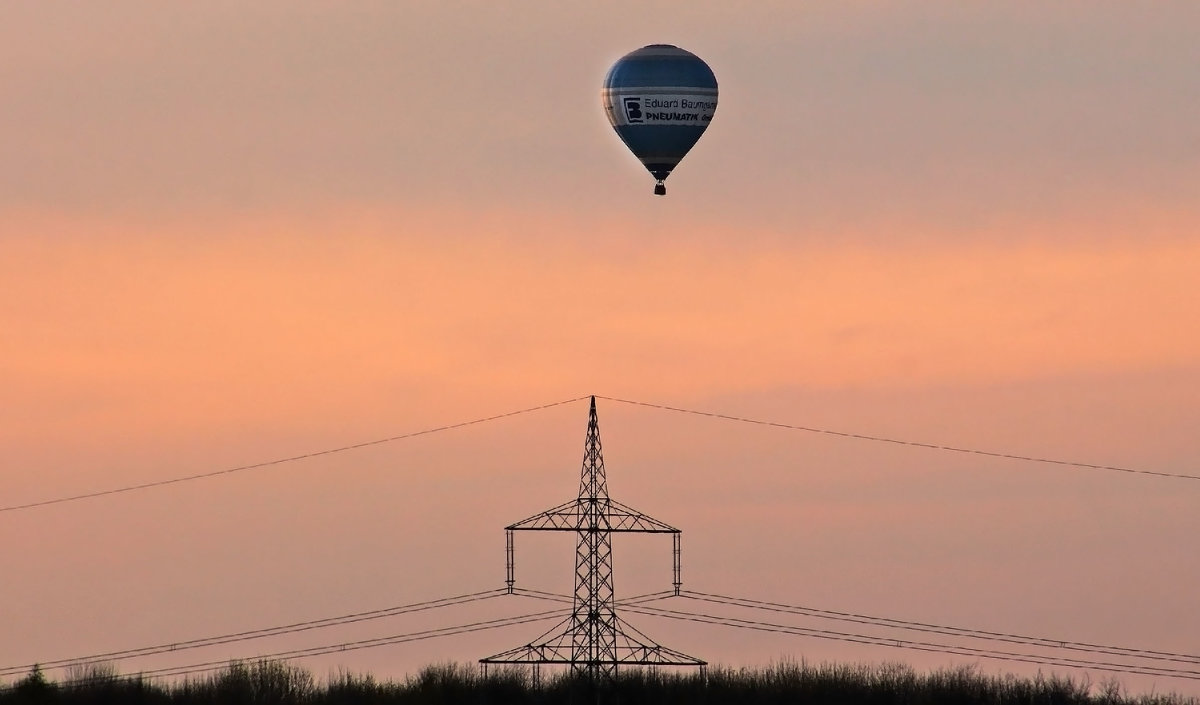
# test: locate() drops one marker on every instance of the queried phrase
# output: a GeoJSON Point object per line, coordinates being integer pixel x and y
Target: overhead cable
{"type": "Point", "coordinates": [257, 633]}
{"type": "Point", "coordinates": [278, 461]}
{"type": "Point", "coordinates": [980, 634]}
{"type": "Point", "coordinates": [914, 444]}
{"type": "Point", "coordinates": [216, 665]}
{"type": "Point", "coordinates": [951, 649]}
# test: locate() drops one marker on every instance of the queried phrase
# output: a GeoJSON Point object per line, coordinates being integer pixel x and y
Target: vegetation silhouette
{"type": "Point", "coordinates": [278, 683]}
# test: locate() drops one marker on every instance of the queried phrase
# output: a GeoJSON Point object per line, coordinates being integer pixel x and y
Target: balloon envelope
{"type": "Point", "coordinates": [660, 99]}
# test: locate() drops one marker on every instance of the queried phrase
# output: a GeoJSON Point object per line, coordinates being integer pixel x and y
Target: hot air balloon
{"type": "Point", "coordinates": [660, 99]}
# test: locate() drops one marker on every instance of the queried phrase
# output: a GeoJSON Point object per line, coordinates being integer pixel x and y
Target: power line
{"type": "Point", "coordinates": [637, 606]}
{"type": "Point", "coordinates": [1006, 637]}
{"type": "Point", "coordinates": [887, 622]}
{"type": "Point", "coordinates": [951, 649]}
{"type": "Point", "coordinates": [694, 412]}
{"type": "Point", "coordinates": [368, 643]}
{"type": "Point", "coordinates": [207, 666]}
{"type": "Point", "coordinates": [896, 441]}
{"type": "Point", "coordinates": [260, 633]}
{"type": "Point", "coordinates": [279, 461]}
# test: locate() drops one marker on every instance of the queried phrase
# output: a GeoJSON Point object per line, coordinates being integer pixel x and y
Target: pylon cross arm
{"type": "Point", "coordinates": [622, 517]}
{"type": "Point", "coordinates": [557, 650]}
{"type": "Point", "coordinates": [575, 515]}
{"type": "Point", "coordinates": [567, 516]}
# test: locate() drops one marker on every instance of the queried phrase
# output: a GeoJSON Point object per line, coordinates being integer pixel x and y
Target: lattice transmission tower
{"type": "Point", "coordinates": [593, 640]}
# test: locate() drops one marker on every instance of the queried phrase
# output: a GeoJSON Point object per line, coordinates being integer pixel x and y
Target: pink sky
{"type": "Point", "coordinates": [232, 235]}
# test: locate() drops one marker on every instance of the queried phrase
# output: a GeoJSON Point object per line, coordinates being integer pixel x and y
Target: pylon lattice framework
{"type": "Point", "coordinates": [594, 641]}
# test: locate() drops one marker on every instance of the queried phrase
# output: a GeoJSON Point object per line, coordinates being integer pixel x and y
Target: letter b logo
{"type": "Point", "coordinates": [633, 109]}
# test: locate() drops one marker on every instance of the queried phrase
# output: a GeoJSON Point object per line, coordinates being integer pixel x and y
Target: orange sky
{"type": "Point", "coordinates": [280, 298]}
{"type": "Point", "coordinates": [235, 235]}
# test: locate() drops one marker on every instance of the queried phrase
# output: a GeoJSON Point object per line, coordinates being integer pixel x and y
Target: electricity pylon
{"type": "Point", "coordinates": [594, 641]}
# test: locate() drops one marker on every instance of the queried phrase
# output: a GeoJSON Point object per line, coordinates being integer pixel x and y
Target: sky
{"type": "Point", "coordinates": [234, 233]}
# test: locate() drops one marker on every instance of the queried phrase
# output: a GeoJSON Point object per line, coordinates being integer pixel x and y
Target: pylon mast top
{"type": "Point", "coordinates": [575, 514]}
{"type": "Point", "coordinates": [593, 483]}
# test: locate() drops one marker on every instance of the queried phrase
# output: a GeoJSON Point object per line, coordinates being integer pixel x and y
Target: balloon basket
{"type": "Point", "coordinates": [660, 189]}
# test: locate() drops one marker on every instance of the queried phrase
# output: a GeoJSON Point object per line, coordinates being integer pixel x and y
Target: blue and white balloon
{"type": "Point", "coordinates": [660, 99]}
